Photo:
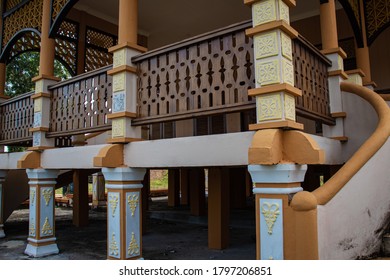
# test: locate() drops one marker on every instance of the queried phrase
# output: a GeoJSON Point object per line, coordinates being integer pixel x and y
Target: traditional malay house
{"type": "Point", "coordinates": [288, 95]}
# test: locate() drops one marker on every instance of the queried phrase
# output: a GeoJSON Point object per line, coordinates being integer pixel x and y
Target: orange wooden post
{"type": "Point", "coordinates": [173, 187]}
{"type": "Point", "coordinates": [197, 191]}
{"type": "Point", "coordinates": [184, 187]}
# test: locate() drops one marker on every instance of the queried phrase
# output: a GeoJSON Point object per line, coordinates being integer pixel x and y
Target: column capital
{"type": "Point", "coordinates": [281, 173]}
{"type": "Point", "coordinates": [41, 174]}
{"type": "Point", "coordinates": [128, 177]}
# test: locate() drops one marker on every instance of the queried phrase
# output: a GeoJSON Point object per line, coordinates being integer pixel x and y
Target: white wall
{"type": "Point", "coordinates": [350, 225]}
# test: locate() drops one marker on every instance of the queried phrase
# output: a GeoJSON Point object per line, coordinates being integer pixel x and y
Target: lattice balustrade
{"type": "Point", "coordinates": [96, 52]}
{"type": "Point", "coordinates": [28, 16]}
{"type": "Point", "coordinates": [210, 73]}
{"type": "Point", "coordinates": [311, 76]}
{"type": "Point", "coordinates": [81, 104]}
{"type": "Point", "coordinates": [16, 118]}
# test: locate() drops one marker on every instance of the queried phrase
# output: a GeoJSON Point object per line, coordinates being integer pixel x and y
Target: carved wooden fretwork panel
{"type": "Point", "coordinates": [57, 6]}
{"type": "Point", "coordinates": [377, 17]}
{"type": "Point", "coordinates": [30, 41]}
{"type": "Point", "coordinates": [28, 16]}
{"type": "Point", "coordinates": [356, 9]}
{"type": "Point", "coordinates": [96, 52]}
{"type": "Point", "coordinates": [66, 45]}
{"type": "Point", "coordinates": [10, 4]}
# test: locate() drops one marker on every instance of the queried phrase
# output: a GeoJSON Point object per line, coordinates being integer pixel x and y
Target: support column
{"type": "Point", "coordinates": [184, 187]}
{"type": "Point", "coordinates": [336, 74]}
{"type": "Point", "coordinates": [173, 187]}
{"type": "Point", "coordinates": [197, 191]}
{"type": "Point", "coordinates": [237, 183]}
{"type": "Point", "coordinates": [3, 174]}
{"type": "Point", "coordinates": [145, 199]}
{"type": "Point", "coordinates": [80, 198]}
{"type": "Point", "coordinates": [124, 72]}
{"type": "Point", "coordinates": [98, 190]}
{"type": "Point", "coordinates": [42, 82]}
{"type": "Point", "coordinates": [274, 184]}
{"type": "Point", "coordinates": [41, 240]}
{"type": "Point", "coordinates": [274, 70]}
{"type": "Point", "coordinates": [218, 208]}
{"type": "Point", "coordinates": [3, 67]}
{"type": "Point", "coordinates": [124, 240]}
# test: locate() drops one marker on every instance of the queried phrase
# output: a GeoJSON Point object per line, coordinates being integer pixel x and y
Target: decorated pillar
{"type": "Point", "coordinates": [98, 190]}
{"type": "Point", "coordinates": [41, 240]}
{"type": "Point", "coordinates": [124, 240]}
{"type": "Point", "coordinates": [3, 174]}
{"type": "Point", "coordinates": [42, 82]}
{"type": "Point", "coordinates": [336, 74]}
{"type": "Point", "coordinates": [274, 186]}
{"type": "Point", "coordinates": [274, 70]}
{"type": "Point", "coordinates": [124, 73]}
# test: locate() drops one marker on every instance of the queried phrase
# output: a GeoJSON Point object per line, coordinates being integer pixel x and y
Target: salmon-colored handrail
{"type": "Point", "coordinates": [382, 132]}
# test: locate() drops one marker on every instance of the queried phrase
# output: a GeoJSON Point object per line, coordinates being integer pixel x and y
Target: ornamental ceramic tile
{"type": "Point", "coordinates": [284, 11]}
{"type": "Point", "coordinates": [269, 107]}
{"type": "Point", "coordinates": [38, 119]}
{"type": "Point", "coordinates": [38, 105]}
{"type": "Point", "coordinates": [119, 58]}
{"type": "Point", "coordinates": [264, 11]}
{"type": "Point", "coordinates": [36, 139]}
{"type": "Point", "coordinates": [118, 128]}
{"type": "Point", "coordinates": [289, 107]}
{"type": "Point", "coordinates": [119, 82]}
{"type": "Point", "coordinates": [266, 45]}
{"type": "Point", "coordinates": [268, 72]}
{"type": "Point", "coordinates": [286, 46]}
{"type": "Point", "coordinates": [118, 102]}
{"type": "Point", "coordinates": [288, 72]}
{"type": "Point", "coordinates": [39, 86]}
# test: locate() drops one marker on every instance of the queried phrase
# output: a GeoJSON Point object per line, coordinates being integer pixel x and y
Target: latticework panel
{"type": "Point", "coordinates": [30, 41]}
{"type": "Point", "coordinates": [57, 6]}
{"type": "Point", "coordinates": [96, 50]}
{"type": "Point", "coordinates": [66, 45]}
{"type": "Point", "coordinates": [96, 58]}
{"type": "Point", "coordinates": [16, 118]}
{"type": "Point", "coordinates": [208, 75]}
{"type": "Point", "coordinates": [355, 6]}
{"type": "Point", "coordinates": [28, 16]}
{"type": "Point", "coordinates": [10, 4]}
{"type": "Point", "coordinates": [377, 16]}
{"type": "Point", "coordinates": [311, 76]}
{"type": "Point", "coordinates": [81, 104]}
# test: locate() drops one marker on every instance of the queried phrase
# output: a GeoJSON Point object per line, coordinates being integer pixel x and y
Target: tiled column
{"type": "Point", "coordinates": [3, 174]}
{"type": "Point", "coordinates": [274, 70]}
{"type": "Point", "coordinates": [336, 74]}
{"type": "Point", "coordinates": [41, 240]}
{"type": "Point", "coordinates": [274, 185]}
{"type": "Point", "coordinates": [42, 82]}
{"type": "Point", "coordinates": [124, 240]}
{"type": "Point", "coordinates": [124, 74]}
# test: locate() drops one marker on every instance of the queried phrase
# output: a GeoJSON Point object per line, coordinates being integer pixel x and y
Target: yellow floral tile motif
{"type": "Point", "coordinates": [39, 86]}
{"type": "Point", "coordinates": [114, 250]}
{"type": "Point", "coordinates": [269, 107]}
{"type": "Point", "coordinates": [268, 72]}
{"type": "Point", "coordinates": [31, 231]}
{"type": "Point", "coordinates": [288, 72]}
{"type": "Point", "coordinates": [113, 202]}
{"type": "Point", "coordinates": [264, 11]}
{"type": "Point", "coordinates": [32, 196]}
{"type": "Point", "coordinates": [118, 128]}
{"type": "Point", "coordinates": [286, 46]}
{"type": "Point", "coordinates": [270, 213]}
{"type": "Point", "coordinates": [266, 45]}
{"type": "Point", "coordinates": [133, 246]}
{"type": "Point", "coordinates": [133, 200]}
{"type": "Point", "coordinates": [289, 107]}
{"type": "Point", "coordinates": [118, 82]}
{"type": "Point", "coordinates": [284, 11]}
{"type": "Point", "coordinates": [119, 58]}
{"type": "Point", "coordinates": [47, 195]}
{"type": "Point", "coordinates": [38, 105]}
{"type": "Point", "coordinates": [47, 229]}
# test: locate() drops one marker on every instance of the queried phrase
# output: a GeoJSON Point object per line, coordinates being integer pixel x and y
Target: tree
{"type": "Point", "coordinates": [23, 68]}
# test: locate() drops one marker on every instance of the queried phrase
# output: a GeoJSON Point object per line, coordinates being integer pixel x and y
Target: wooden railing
{"type": "Point", "coordinates": [16, 118]}
{"type": "Point", "coordinates": [311, 76]}
{"type": "Point", "coordinates": [211, 74]}
{"type": "Point", "coordinates": [81, 104]}
{"type": "Point", "coordinates": [206, 75]}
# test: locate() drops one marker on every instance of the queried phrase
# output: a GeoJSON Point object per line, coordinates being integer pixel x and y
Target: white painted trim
{"type": "Point", "coordinates": [37, 182]}
{"type": "Point", "coordinates": [39, 174]}
{"type": "Point", "coordinates": [281, 173]}
{"type": "Point", "coordinates": [277, 190]}
{"type": "Point", "coordinates": [124, 187]}
{"type": "Point", "coordinates": [41, 240]}
{"type": "Point", "coordinates": [41, 251]}
{"type": "Point", "coordinates": [123, 174]}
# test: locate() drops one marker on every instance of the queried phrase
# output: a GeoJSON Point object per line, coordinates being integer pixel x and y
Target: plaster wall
{"type": "Point", "coordinates": [351, 225]}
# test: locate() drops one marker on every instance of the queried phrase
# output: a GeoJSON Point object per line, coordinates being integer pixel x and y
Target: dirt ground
{"type": "Point", "coordinates": [170, 234]}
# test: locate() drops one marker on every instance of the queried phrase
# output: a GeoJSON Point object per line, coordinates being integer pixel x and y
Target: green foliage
{"type": "Point", "coordinates": [160, 183]}
{"type": "Point", "coordinates": [25, 67]}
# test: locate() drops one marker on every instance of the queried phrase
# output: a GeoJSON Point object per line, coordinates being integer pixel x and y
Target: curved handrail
{"type": "Point", "coordinates": [382, 132]}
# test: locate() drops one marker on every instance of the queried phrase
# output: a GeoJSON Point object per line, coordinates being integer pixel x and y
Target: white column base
{"type": "Point", "coordinates": [2, 234]}
{"type": "Point", "coordinates": [41, 251]}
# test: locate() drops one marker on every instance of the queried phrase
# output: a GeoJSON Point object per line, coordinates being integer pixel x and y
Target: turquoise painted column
{"type": "Point", "coordinates": [3, 174]}
{"type": "Point", "coordinates": [124, 209]}
{"type": "Point", "coordinates": [41, 240]}
{"type": "Point", "coordinates": [274, 186]}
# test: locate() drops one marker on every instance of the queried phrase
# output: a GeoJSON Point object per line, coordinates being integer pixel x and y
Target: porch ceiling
{"type": "Point", "coordinates": [174, 20]}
